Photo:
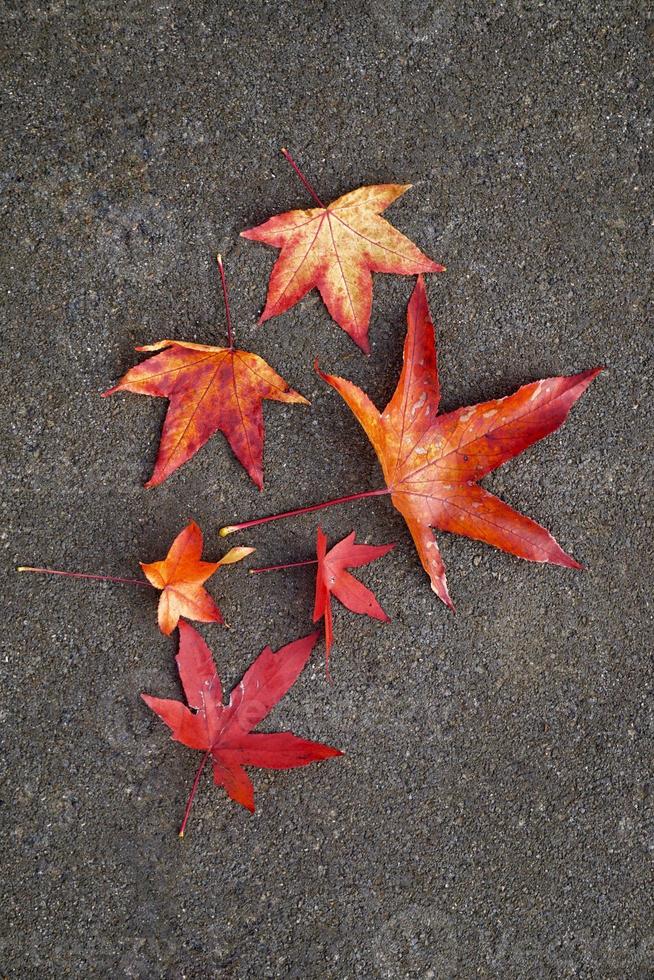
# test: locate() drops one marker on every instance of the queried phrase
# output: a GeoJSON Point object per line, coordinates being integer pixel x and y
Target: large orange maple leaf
{"type": "Point", "coordinates": [335, 248]}
{"type": "Point", "coordinates": [209, 389]}
{"type": "Point", "coordinates": [432, 463]}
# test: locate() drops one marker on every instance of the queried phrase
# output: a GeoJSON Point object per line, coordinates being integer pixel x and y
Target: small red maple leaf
{"type": "Point", "coordinates": [224, 732]}
{"type": "Point", "coordinates": [333, 579]}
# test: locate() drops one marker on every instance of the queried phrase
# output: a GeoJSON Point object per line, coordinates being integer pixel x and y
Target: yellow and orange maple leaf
{"type": "Point", "coordinates": [335, 248]}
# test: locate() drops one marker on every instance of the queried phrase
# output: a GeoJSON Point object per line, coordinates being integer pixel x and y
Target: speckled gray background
{"type": "Point", "coordinates": [490, 816]}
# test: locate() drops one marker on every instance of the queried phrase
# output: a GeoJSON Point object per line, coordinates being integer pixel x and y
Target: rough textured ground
{"type": "Point", "coordinates": [490, 816]}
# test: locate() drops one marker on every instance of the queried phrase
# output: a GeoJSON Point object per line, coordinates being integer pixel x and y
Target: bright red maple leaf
{"type": "Point", "coordinates": [209, 389]}
{"type": "Point", "coordinates": [335, 248]}
{"type": "Point", "coordinates": [224, 732]}
{"type": "Point", "coordinates": [181, 576]}
{"type": "Point", "coordinates": [432, 462]}
{"type": "Point", "coordinates": [333, 579]}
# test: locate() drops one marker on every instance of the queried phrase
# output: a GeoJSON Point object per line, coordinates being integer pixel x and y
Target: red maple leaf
{"type": "Point", "coordinates": [431, 463]}
{"type": "Point", "coordinates": [224, 732]}
{"type": "Point", "coordinates": [335, 247]}
{"type": "Point", "coordinates": [333, 579]}
{"type": "Point", "coordinates": [209, 389]}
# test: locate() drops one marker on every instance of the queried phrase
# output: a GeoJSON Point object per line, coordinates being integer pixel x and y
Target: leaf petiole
{"type": "Point", "coordinates": [280, 568]}
{"type": "Point", "coordinates": [98, 578]}
{"type": "Point", "coordinates": [194, 789]}
{"type": "Point", "coordinates": [304, 180]}
{"type": "Point", "coordinates": [231, 528]}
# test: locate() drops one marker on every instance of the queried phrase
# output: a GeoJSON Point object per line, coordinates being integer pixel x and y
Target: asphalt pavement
{"type": "Point", "coordinates": [491, 816]}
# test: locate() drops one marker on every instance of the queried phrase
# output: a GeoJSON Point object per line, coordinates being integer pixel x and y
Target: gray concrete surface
{"type": "Point", "coordinates": [490, 816]}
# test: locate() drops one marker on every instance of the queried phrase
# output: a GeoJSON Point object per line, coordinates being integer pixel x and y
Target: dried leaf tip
{"type": "Point", "coordinates": [236, 554]}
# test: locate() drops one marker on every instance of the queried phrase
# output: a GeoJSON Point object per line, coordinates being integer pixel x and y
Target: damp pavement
{"type": "Point", "coordinates": [489, 817]}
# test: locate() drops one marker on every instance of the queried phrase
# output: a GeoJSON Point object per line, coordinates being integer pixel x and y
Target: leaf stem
{"type": "Point", "coordinates": [230, 529]}
{"type": "Point", "coordinates": [302, 177]}
{"type": "Point", "coordinates": [99, 578]}
{"type": "Point", "coordinates": [230, 333]}
{"type": "Point", "coordinates": [194, 789]}
{"type": "Point", "coordinates": [279, 568]}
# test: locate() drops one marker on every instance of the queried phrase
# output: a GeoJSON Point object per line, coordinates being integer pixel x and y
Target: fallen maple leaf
{"type": "Point", "coordinates": [335, 247]}
{"type": "Point", "coordinates": [224, 732]}
{"type": "Point", "coordinates": [181, 576]}
{"type": "Point", "coordinates": [209, 389]}
{"type": "Point", "coordinates": [332, 578]}
{"type": "Point", "coordinates": [431, 463]}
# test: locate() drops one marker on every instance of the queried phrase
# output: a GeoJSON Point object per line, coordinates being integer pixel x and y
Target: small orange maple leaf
{"type": "Point", "coordinates": [181, 577]}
